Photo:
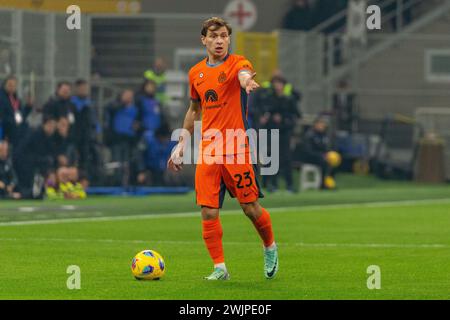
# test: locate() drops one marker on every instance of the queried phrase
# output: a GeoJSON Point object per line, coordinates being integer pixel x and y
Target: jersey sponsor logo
{"type": "Point", "coordinates": [211, 96]}
{"type": "Point", "coordinates": [222, 77]}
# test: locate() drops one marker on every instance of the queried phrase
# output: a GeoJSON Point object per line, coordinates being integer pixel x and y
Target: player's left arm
{"type": "Point", "coordinates": [246, 76]}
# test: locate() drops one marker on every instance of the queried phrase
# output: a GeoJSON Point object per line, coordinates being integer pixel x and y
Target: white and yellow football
{"type": "Point", "coordinates": [148, 265]}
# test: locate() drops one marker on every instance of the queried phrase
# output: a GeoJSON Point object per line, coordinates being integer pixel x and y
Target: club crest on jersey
{"type": "Point", "coordinates": [222, 77]}
{"type": "Point", "coordinates": [201, 75]}
{"type": "Point", "coordinates": [211, 96]}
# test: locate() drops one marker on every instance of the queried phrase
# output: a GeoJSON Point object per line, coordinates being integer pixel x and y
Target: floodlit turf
{"type": "Point", "coordinates": [325, 247]}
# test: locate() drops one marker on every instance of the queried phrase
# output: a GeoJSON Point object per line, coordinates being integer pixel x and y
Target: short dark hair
{"type": "Point", "coordinates": [80, 82]}
{"type": "Point", "coordinates": [278, 79]}
{"type": "Point", "coordinates": [48, 118]}
{"type": "Point", "coordinates": [63, 83]}
{"type": "Point", "coordinates": [62, 118]}
{"type": "Point", "coordinates": [216, 23]}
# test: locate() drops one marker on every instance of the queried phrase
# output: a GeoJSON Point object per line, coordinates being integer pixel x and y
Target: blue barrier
{"type": "Point", "coordinates": [136, 191]}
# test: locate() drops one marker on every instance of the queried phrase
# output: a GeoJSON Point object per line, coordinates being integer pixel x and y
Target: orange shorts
{"type": "Point", "coordinates": [212, 181]}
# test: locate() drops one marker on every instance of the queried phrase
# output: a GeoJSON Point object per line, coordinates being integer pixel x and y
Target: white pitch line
{"type": "Point", "coordinates": [281, 244]}
{"type": "Point", "coordinates": [401, 203]}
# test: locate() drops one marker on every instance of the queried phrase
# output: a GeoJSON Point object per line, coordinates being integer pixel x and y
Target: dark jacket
{"type": "Point", "coordinates": [315, 143]}
{"type": "Point", "coordinates": [57, 108]}
{"type": "Point", "coordinates": [84, 128]}
{"type": "Point", "coordinates": [65, 146]}
{"type": "Point", "coordinates": [7, 176]}
{"type": "Point", "coordinates": [258, 104]}
{"type": "Point", "coordinates": [36, 150]}
{"type": "Point", "coordinates": [12, 130]}
{"type": "Point", "coordinates": [286, 107]}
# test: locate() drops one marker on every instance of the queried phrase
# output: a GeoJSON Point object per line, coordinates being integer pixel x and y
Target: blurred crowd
{"type": "Point", "coordinates": [44, 145]}
{"type": "Point", "coordinates": [57, 149]}
{"type": "Point", "coordinates": [277, 105]}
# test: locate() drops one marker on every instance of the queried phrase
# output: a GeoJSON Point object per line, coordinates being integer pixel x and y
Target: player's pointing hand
{"type": "Point", "coordinates": [251, 84]}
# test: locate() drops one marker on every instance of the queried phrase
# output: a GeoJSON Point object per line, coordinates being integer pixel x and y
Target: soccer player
{"type": "Point", "coordinates": [219, 86]}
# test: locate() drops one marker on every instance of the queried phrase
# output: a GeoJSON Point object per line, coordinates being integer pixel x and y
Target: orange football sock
{"type": "Point", "coordinates": [212, 235]}
{"type": "Point", "coordinates": [264, 227]}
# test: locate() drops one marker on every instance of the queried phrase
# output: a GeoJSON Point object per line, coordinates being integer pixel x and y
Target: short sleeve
{"type": "Point", "coordinates": [193, 92]}
{"type": "Point", "coordinates": [244, 65]}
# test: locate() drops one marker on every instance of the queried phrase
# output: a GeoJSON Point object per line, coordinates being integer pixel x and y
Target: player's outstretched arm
{"type": "Point", "coordinates": [246, 79]}
{"type": "Point", "coordinates": [193, 114]}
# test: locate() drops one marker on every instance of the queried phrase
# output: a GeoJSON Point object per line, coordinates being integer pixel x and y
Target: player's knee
{"type": "Point", "coordinates": [209, 213]}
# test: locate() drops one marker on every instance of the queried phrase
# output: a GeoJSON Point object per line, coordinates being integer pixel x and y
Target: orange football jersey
{"type": "Point", "coordinates": [223, 103]}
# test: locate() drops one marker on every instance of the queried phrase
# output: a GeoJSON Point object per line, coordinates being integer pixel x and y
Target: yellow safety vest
{"type": "Point", "coordinates": [288, 89]}
{"type": "Point", "coordinates": [159, 79]}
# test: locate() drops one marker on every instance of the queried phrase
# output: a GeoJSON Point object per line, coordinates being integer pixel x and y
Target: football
{"type": "Point", "coordinates": [148, 265]}
{"type": "Point", "coordinates": [333, 158]}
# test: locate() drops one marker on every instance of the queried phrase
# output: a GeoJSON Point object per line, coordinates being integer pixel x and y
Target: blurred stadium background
{"type": "Point", "coordinates": [383, 93]}
{"type": "Point", "coordinates": [380, 98]}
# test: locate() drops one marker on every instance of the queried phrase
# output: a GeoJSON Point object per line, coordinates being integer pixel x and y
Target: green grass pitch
{"type": "Point", "coordinates": [326, 242]}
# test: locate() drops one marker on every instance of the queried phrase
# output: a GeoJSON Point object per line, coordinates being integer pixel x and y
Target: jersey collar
{"type": "Point", "coordinates": [212, 65]}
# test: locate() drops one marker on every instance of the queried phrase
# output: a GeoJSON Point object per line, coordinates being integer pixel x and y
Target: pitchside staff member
{"type": "Point", "coordinates": [282, 114]}
{"type": "Point", "coordinates": [35, 154]}
{"type": "Point", "coordinates": [60, 106]}
{"type": "Point", "coordinates": [316, 149]}
{"type": "Point", "coordinates": [8, 180]}
{"type": "Point", "coordinates": [13, 112]}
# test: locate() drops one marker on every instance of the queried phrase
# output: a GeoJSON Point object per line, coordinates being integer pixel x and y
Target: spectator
{"type": "Point", "coordinates": [69, 185]}
{"type": "Point", "coordinates": [123, 127]}
{"type": "Point", "coordinates": [35, 118]}
{"type": "Point", "coordinates": [5, 61]}
{"type": "Point", "coordinates": [65, 150]}
{"type": "Point", "coordinates": [148, 106]}
{"type": "Point", "coordinates": [315, 147]}
{"type": "Point", "coordinates": [259, 103]}
{"type": "Point", "coordinates": [158, 75]}
{"type": "Point", "coordinates": [282, 114]}
{"type": "Point", "coordinates": [344, 107]}
{"type": "Point", "coordinates": [84, 127]}
{"type": "Point", "coordinates": [35, 155]}
{"type": "Point", "coordinates": [12, 112]}
{"type": "Point", "coordinates": [288, 89]}
{"type": "Point", "coordinates": [158, 148]}
{"type": "Point", "coordinates": [8, 179]}
{"type": "Point", "coordinates": [299, 16]}
{"type": "Point", "coordinates": [52, 191]}
{"type": "Point", "coordinates": [60, 105]}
